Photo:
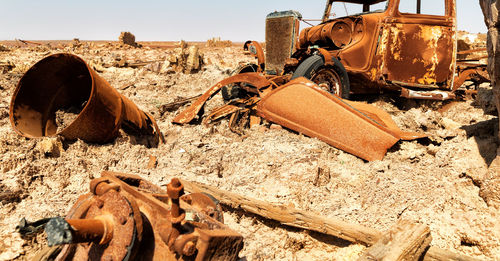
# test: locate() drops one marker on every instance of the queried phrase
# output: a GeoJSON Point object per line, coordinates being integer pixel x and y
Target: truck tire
{"type": "Point", "coordinates": [332, 78]}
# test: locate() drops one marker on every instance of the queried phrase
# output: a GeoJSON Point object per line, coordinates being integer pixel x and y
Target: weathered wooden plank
{"type": "Point", "coordinates": [405, 241]}
{"type": "Point", "coordinates": [311, 221]}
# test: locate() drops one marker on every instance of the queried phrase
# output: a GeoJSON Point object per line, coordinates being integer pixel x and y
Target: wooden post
{"type": "Point", "coordinates": [309, 220]}
{"type": "Point", "coordinates": [405, 241]}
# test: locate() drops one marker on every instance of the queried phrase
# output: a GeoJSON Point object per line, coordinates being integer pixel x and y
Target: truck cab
{"type": "Point", "coordinates": [400, 45]}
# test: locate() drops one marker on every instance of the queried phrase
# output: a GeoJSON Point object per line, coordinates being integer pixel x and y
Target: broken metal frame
{"type": "Point", "coordinates": [357, 128]}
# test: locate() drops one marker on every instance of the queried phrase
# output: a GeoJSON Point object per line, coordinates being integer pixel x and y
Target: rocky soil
{"type": "Point", "coordinates": [443, 182]}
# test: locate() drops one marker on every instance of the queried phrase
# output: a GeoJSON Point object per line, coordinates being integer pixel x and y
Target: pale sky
{"type": "Point", "coordinates": [168, 20]}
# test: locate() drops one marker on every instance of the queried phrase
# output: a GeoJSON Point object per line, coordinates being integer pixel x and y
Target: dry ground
{"type": "Point", "coordinates": [442, 182]}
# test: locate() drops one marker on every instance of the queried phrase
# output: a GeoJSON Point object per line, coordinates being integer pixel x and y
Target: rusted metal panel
{"type": "Point", "coordinates": [329, 118]}
{"type": "Point", "coordinates": [254, 79]}
{"type": "Point", "coordinates": [256, 50]}
{"type": "Point", "coordinates": [419, 53]}
{"type": "Point", "coordinates": [62, 81]}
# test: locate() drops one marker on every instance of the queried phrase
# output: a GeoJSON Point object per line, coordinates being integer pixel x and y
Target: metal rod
{"type": "Point", "coordinates": [328, 8]}
{"type": "Point", "coordinates": [87, 230]}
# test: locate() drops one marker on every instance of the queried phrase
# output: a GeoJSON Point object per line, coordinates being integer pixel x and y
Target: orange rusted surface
{"type": "Point", "coordinates": [136, 220]}
{"type": "Point", "coordinates": [254, 48]}
{"type": "Point", "coordinates": [389, 49]}
{"type": "Point", "coordinates": [355, 127]}
{"type": "Point", "coordinates": [359, 129]}
{"type": "Point", "coordinates": [62, 81]}
{"type": "Point", "coordinates": [254, 79]}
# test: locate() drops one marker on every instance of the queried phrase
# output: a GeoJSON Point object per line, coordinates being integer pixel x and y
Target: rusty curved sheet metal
{"type": "Point", "coordinates": [63, 81]}
{"type": "Point", "coordinates": [383, 118]}
{"type": "Point", "coordinates": [256, 50]}
{"type": "Point", "coordinates": [252, 78]}
{"type": "Point", "coordinates": [347, 126]}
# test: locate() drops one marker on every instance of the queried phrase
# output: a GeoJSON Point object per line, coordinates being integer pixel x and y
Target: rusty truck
{"type": "Point", "coordinates": [386, 47]}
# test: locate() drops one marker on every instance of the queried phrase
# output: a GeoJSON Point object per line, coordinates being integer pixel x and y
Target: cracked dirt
{"type": "Point", "coordinates": [443, 181]}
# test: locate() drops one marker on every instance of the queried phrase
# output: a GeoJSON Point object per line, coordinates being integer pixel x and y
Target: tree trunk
{"type": "Point", "coordinates": [490, 9]}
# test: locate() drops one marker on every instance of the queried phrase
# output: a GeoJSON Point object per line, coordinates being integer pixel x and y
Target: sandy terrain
{"type": "Point", "coordinates": [443, 182]}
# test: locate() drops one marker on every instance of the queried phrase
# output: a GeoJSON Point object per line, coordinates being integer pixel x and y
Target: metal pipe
{"type": "Point", "coordinates": [62, 231]}
{"type": "Point", "coordinates": [87, 230]}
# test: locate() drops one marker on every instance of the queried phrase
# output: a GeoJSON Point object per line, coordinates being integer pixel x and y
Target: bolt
{"type": "Point", "coordinates": [176, 182]}
{"type": "Point", "coordinates": [174, 190]}
{"type": "Point", "coordinates": [189, 249]}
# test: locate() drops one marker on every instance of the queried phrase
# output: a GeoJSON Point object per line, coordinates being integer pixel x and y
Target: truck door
{"type": "Point", "coordinates": [420, 48]}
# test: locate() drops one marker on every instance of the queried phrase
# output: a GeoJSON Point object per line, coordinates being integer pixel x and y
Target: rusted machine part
{"type": "Point", "coordinates": [254, 48]}
{"type": "Point", "coordinates": [124, 216]}
{"type": "Point", "coordinates": [328, 118]}
{"type": "Point", "coordinates": [64, 81]}
{"type": "Point", "coordinates": [427, 95]}
{"type": "Point", "coordinates": [71, 231]}
{"type": "Point", "coordinates": [107, 226]}
{"type": "Point", "coordinates": [205, 204]}
{"type": "Point", "coordinates": [255, 79]}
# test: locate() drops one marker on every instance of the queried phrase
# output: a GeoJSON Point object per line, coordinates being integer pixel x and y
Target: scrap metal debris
{"type": "Point", "coordinates": [176, 104]}
{"type": "Point", "coordinates": [125, 217]}
{"type": "Point", "coordinates": [28, 42]}
{"type": "Point", "coordinates": [357, 128]}
{"type": "Point", "coordinates": [62, 95]}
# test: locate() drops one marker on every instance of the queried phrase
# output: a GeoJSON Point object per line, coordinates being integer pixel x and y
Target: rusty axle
{"type": "Point", "coordinates": [70, 231]}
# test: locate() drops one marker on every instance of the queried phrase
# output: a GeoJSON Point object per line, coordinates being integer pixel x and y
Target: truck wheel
{"type": "Point", "coordinates": [233, 91]}
{"type": "Point", "coordinates": [331, 78]}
